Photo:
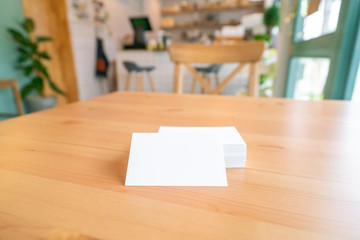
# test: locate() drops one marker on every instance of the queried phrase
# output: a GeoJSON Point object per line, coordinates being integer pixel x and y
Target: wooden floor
{"type": "Point", "coordinates": [62, 171]}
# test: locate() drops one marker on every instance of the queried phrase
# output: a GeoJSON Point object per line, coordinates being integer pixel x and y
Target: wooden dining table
{"type": "Point", "coordinates": [62, 171]}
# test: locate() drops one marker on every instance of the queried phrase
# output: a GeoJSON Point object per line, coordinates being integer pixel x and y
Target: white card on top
{"type": "Point", "coordinates": [176, 160]}
{"type": "Point", "coordinates": [228, 135]}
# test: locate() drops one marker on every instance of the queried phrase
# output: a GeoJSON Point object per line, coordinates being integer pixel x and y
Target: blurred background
{"type": "Point", "coordinates": [54, 52]}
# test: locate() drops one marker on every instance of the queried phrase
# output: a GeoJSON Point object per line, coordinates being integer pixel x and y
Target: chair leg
{"type": "Point", "coordinates": [139, 82]}
{"type": "Point", "coordinates": [152, 84]}
{"type": "Point", "coordinates": [217, 81]}
{"type": "Point", "coordinates": [193, 85]}
{"type": "Point", "coordinates": [178, 81]}
{"type": "Point", "coordinates": [205, 77]}
{"type": "Point", "coordinates": [253, 80]}
{"type": "Point", "coordinates": [209, 80]}
{"type": "Point", "coordinates": [127, 83]}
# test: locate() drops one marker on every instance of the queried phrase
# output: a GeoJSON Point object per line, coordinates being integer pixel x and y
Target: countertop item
{"type": "Point", "coordinates": [62, 171]}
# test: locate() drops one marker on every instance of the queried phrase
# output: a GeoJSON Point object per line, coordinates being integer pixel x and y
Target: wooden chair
{"type": "Point", "coordinates": [12, 83]}
{"type": "Point", "coordinates": [242, 53]}
{"type": "Point", "coordinates": [228, 40]}
{"type": "Point", "coordinates": [206, 72]}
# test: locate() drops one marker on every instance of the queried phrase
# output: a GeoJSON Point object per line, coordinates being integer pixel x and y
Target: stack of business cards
{"type": "Point", "coordinates": [176, 159]}
{"type": "Point", "coordinates": [233, 144]}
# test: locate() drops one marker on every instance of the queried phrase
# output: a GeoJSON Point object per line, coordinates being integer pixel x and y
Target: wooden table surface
{"type": "Point", "coordinates": [62, 171]}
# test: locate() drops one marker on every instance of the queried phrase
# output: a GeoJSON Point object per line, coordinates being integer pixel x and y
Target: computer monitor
{"type": "Point", "coordinates": [140, 22]}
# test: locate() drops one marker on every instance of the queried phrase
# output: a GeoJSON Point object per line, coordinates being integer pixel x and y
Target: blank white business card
{"type": "Point", "coordinates": [228, 135]}
{"type": "Point", "coordinates": [233, 144]}
{"type": "Point", "coordinates": [176, 160]}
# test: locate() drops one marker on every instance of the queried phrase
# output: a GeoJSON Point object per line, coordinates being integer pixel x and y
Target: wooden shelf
{"type": "Point", "coordinates": [256, 5]}
{"type": "Point", "coordinates": [187, 26]}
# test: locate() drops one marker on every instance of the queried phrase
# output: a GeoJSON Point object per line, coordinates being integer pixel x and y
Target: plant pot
{"type": "Point", "coordinates": [37, 103]}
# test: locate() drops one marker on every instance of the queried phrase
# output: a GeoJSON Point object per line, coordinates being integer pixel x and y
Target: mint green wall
{"type": "Point", "coordinates": [11, 13]}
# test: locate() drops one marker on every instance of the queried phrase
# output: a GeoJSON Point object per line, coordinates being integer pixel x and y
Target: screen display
{"type": "Point", "coordinates": [140, 22]}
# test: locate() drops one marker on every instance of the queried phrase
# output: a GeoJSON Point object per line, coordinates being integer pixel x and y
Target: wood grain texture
{"type": "Point", "coordinates": [64, 175]}
{"type": "Point", "coordinates": [228, 39]}
{"type": "Point", "coordinates": [50, 17]}
{"type": "Point", "coordinates": [215, 53]}
{"type": "Point", "coordinates": [253, 90]}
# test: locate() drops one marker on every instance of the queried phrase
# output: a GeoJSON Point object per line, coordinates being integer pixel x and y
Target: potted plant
{"type": "Point", "coordinates": [30, 61]}
{"type": "Point", "coordinates": [272, 17]}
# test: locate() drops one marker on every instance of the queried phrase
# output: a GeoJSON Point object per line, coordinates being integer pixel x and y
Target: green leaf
{"type": "Point", "coordinates": [44, 39]}
{"type": "Point", "coordinates": [262, 37]}
{"type": "Point", "coordinates": [28, 70]}
{"type": "Point", "coordinates": [54, 87]}
{"type": "Point", "coordinates": [38, 84]}
{"type": "Point", "coordinates": [26, 90]}
{"type": "Point", "coordinates": [23, 40]}
{"type": "Point", "coordinates": [41, 68]}
{"type": "Point", "coordinates": [33, 46]}
{"type": "Point", "coordinates": [22, 58]}
{"type": "Point", "coordinates": [22, 50]}
{"type": "Point", "coordinates": [44, 55]}
{"type": "Point", "coordinates": [17, 36]}
{"type": "Point", "coordinates": [28, 25]}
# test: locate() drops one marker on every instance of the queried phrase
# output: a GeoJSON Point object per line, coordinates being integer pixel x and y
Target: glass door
{"type": "Point", "coordinates": [353, 86]}
{"type": "Point", "coordinates": [322, 49]}
{"type": "Point", "coordinates": [356, 93]}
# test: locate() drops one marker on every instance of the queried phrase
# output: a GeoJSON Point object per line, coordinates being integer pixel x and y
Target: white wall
{"type": "Point", "coordinates": [83, 37]}
{"type": "Point", "coordinates": [152, 8]}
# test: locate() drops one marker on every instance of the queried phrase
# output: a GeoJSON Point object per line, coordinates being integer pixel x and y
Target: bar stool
{"type": "Point", "coordinates": [139, 70]}
{"type": "Point", "coordinates": [206, 71]}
